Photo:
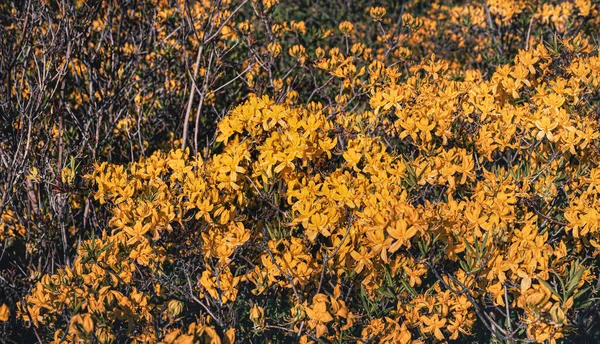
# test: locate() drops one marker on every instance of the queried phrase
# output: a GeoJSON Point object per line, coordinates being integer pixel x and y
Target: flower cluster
{"type": "Point", "coordinates": [417, 173]}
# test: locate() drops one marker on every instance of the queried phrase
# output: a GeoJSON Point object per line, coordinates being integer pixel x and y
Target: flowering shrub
{"type": "Point", "coordinates": [249, 171]}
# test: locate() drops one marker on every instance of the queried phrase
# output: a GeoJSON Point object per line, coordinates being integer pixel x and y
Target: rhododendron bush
{"type": "Point", "coordinates": [270, 171]}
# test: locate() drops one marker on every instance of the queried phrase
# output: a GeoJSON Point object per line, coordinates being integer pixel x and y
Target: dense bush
{"type": "Point", "coordinates": [330, 171]}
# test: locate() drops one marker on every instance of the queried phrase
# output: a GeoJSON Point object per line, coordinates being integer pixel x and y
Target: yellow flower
{"type": "Point", "coordinates": [402, 233]}
{"type": "Point", "coordinates": [377, 13]}
{"type": "Point", "coordinates": [545, 126]}
{"type": "Point", "coordinates": [433, 324]}
{"type": "Point", "coordinates": [553, 100]}
{"type": "Point", "coordinates": [299, 52]}
{"type": "Point", "coordinates": [274, 49]}
{"type": "Point", "coordinates": [175, 307]}
{"type": "Point", "coordinates": [319, 312]}
{"type": "Point", "coordinates": [136, 234]}
{"type": "Point", "coordinates": [318, 315]}
{"type": "Point", "coordinates": [346, 28]}
{"type": "Point", "coordinates": [363, 258]}
{"type": "Point", "coordinates": [4, 313]}
{"type": "Point", "coordinates": [257, 316]}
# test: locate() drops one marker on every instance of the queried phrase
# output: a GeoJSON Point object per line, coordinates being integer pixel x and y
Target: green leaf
{"type": "Point", "coordinates": [549, 287]}
{"type": "Point", "coordinates": [581, 292]}
{"type": "Point", "coordinates": [469, 247]}
{"type": "Point", "coordinates": [574, 281]}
